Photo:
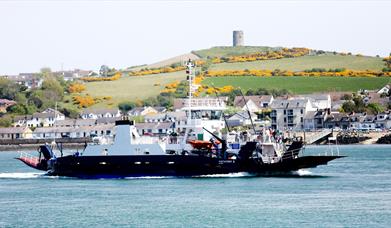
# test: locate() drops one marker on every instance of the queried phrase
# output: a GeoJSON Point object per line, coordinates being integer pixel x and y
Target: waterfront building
{"type": "Point", "coordinates": [383, 120]}
{"type": "Point", "coordinates": [73, 132]}
{"type": "Point", "coordinates": [46, 118]}
{"type": "Point", "coordinates": [15, 133]}
{"type": "Point", "coordinates": [337, 120]}
{"type": "Point", "coordinates": [289, 114]}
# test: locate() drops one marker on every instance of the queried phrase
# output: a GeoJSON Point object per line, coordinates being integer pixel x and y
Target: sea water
{"type": "Point", "coordinates": [350, 192]}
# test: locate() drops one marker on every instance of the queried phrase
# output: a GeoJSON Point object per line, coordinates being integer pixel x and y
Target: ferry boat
{"type": "Point", "coordinates": [201, 150]}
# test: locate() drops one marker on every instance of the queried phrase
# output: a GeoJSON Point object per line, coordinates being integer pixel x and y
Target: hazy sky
{"type": "Point", "coordinates": [87, 34]}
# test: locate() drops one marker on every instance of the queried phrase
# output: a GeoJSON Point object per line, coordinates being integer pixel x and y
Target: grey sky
{"type": "Point", "coordinates": [88, 34]}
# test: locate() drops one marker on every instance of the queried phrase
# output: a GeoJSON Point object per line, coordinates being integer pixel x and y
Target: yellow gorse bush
{"type": "Point", "coordinates": [76, 88]}
{"type": "Point", "coordinates": [266, 73]}
{"type": "Point", "coordinates": [283, 53]}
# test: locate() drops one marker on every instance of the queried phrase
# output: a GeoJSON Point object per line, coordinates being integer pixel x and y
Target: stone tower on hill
{"type": "Point", "coordinates": [238, 38]}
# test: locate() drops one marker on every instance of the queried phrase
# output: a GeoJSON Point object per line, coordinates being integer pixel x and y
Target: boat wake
{"type": "Point", "coordinates": [22, 175]}
{"type": "Point", "coordinates": [229, 175]}
{"type": "Point", "coordinates": [303, 172]}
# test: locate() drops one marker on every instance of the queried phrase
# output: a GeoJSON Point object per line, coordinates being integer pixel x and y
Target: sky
{"type": "Point", "coordinates": [87, 34]}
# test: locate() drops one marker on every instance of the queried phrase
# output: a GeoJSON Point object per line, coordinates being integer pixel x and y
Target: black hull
{"type": "Point", "coordinates": [172, 165]}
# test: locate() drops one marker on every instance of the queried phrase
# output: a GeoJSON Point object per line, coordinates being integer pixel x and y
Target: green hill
{"type": "Point", "coordinates": [308, 62]}
{"type": "Point", "coordinates": [142, 87]}
{"type": "Point", "coordinates": [132, 88]}
{"type": "Point", "coordinates": [301, 85]}
{"type": "Point", "coordinates": [232, 51]}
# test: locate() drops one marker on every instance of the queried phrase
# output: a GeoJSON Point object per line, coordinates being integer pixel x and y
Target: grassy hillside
{"type": "Point", "coordinates": [308, 62]}
{"type": "Point", "coordinates": [301, 85]}
{"type": "Point", "coordinates": [232, 51]}
{"type": "Point", "coordinates": [142, 87]}
{"type": "Point", "coordinates": [132, 88]}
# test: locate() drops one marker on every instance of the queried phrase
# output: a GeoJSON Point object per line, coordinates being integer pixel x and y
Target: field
{"type": "Point", "coordinates": [301, 85]}
{"type": "Point", "coordinates": [230, 51]}
{"type": "Point", "coordinates": [142, 87]}
{"type": "Point", "coordinates": [308, 62]}
{"type": "Point", "coordinates": [132, 88]}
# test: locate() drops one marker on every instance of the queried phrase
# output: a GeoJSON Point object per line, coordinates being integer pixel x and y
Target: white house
{"type": "Point", "coordinates": [384, 90]}
{"type": "Point", "coordinates": [383, 120]}
{"type": "Point", "coordinates": [318, 101]}
{"type": "Point", "coordinates": [100, 113]}
{"type": "Point", "coordinates": [289, 114]}
{"type": "Point", "coordinates": [73, 132]}
{"type": "Point", "coordinates": [46, 118]}
{"type": "Point", "coordinates": [253, 103]}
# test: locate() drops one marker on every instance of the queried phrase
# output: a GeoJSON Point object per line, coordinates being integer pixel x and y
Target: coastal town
{"type": "Point", "coordinates": [61, 105]}
{"type": "Point", "coordinates": [297, 113]}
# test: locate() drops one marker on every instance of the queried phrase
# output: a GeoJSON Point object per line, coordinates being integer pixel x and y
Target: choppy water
{"type": "Point", "coordinates": [349, 192]}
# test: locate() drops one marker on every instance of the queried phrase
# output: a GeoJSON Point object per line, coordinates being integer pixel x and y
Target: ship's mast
{"type": "Point", "coordinates": [190, 77]}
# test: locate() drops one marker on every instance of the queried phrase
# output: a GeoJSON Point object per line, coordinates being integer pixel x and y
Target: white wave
{"type": "Point", "coordinates": [240, 174]}
{"type": "Point", "coordinates": [21, 175]}
{"type": "Point", "coordinates": [303, 172]}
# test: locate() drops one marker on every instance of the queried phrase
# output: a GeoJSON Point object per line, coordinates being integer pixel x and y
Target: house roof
{"type": "Point", "coordinates": [240, 101]}
{"type": "Point", "coordinates": [66, 122]}
{"type": "Point", "coordinates": [37, 115]}
{"type": "Point", "coordinates": [54, 129]}
{"type": "Point", "coordinates": [377, 98]}
{"type": "Point", "coordinates": [336, 117]}
{"type": "Point", "coordinates": [137, 110]}
{"type": "Point", "coordinates": [99, 111]}
{"type": "Point", "coordinates": [85, 122]}
{"type": "Point", "coordinates": [155, 116]}
{"type": "Point", "coordinates": [159, 108]}
{"type": "Point", "coordinates": [25, 117]}
{"type": "Point", "coordinates": [13, 130]}
{"type": "Point", "coordinates": [316, 97]}
{"type": "Point", "coordinates": [43, 115]}
{"type": "Point", "coordinates": [179, 115]}
{"type": "Point", "coordinates": [107, 120]}
{"type": "Point", "coordinates": [291, 103]}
